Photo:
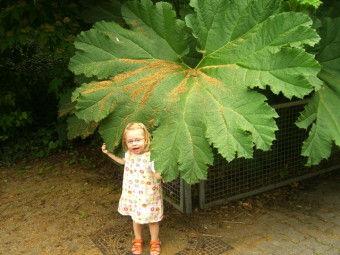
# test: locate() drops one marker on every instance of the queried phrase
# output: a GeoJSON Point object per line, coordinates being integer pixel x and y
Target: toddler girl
{"type": "Point", "coordinates": [141, 196]}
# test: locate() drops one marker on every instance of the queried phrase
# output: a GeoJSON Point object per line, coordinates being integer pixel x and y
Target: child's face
{"type": "Point", "coordinates": [135, 141]}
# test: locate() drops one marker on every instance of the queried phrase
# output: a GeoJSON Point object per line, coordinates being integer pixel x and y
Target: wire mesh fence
{"type": "Point", "coordinates": [178, 194]}
{"type": "Point", "coordinates": [281, 165]}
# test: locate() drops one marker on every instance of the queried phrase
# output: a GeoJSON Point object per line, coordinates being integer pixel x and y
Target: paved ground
{"type": "Point", "coordinates": [287, 221]}
{"type": "Point", "coordinates": [58, 208]}
{"type": "Point", "coordinates": [313, 228]}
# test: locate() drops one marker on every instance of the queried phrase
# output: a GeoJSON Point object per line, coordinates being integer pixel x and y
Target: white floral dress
{"type": "Point", "coordinates": [142, 193]}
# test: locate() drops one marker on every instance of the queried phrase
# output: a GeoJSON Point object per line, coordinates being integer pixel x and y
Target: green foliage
{"type": "Point", "coordinates": [141, 74]}
{"type": "Point", "coordinates": [108, 10]}
{"type": "Point", "coordinates": [329, 8]}
{"type": "Point", "coordinates": [313, 3]}
{"type": "Point", "coordinates": [306, 6]}
{"type": "Point", "coordinates": [32, 144]}
{"type": "Point", "coordinates": [322, 113]}
{"type": "Point", "coordinates": [35, 47]}
{"type": "Point", "coordinates": [46, 24]}
{"type": "Point", "coordinates": [11, 117]}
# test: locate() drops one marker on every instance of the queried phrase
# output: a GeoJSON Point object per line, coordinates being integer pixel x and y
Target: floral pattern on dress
{"type": "Point", "coordinates": [142, 193]}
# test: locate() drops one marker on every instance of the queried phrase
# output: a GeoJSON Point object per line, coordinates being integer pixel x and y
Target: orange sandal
{"type": "Point", "coordinates": [155, 247]}
{"type": "Point", "coordinates": [137, 246]}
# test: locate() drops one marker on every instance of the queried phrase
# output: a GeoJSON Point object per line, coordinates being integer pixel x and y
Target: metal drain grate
{"type": "Point", "coordinates": [205, 245]}
{"type": "Point", "coordinates": [114, 240]}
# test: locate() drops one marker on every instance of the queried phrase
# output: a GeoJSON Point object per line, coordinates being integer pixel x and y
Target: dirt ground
{"type": "Point", "coordinates": [61, 205]}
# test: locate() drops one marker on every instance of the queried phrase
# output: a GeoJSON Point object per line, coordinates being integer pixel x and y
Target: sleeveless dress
{"type": "Point", "coordinates": [141, 193]}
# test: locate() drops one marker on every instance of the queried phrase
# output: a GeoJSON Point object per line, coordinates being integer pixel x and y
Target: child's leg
{"type": "Point", "coordinates": [155, 244]}
{"type": "Point", "coordinates": [137, 230]}
{"type": "Point", "coordinates": [154, 230]}
{"type": "Point", "coordinates": [137, 243]}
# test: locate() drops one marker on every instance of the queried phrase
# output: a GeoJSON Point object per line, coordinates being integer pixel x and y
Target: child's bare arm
{"type": "Point", "coordinates": [158, 176]}
{"type": "Point", "coordinates": [114, 157]}
{"type": "Point", "coordinates": [155, 173]}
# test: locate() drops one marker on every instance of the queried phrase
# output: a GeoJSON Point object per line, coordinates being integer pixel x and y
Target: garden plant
{"type": "Point", "coordinates": [198, 81]}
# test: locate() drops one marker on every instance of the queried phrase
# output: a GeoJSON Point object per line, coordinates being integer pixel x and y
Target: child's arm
{"type": "Point", "coordinates": [114, 157]}
{"type": "Point", "coordinates": [158, 176]}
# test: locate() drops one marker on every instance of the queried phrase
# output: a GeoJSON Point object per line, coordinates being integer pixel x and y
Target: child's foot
{"type": "Point", "coordinates": [137, 246]}
{"type": "Point", "coordinates": [155, 247]}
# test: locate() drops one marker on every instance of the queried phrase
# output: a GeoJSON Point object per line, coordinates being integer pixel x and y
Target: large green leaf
{"type": "Point", "coordinates": [323, 111]}
{"type": "Point", "coordinates": [314, 3]}
{"type": "Point", "coordinates": [139, 75]}
{"type": "Point", "coordinates": [255, 48]}
{"type": "Point", "coordinates": [158, 22]}
{"type": "Point", "coordinates": [79, 128]}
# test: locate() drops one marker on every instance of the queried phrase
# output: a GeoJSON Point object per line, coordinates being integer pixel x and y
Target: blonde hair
{"type": "Point", "coordinates": [133, 126]}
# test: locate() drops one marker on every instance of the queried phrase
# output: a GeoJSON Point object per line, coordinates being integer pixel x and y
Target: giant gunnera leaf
{"type": "Point", "coordinates": [139, 74]}
{"type": "Point", "coordinates": [313, 3]}
{"type": "Point", "coordinates": [323, 111]}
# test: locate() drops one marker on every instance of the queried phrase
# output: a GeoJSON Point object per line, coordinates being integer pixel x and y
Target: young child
{"type": "Point", "coordinates": [141, 196]}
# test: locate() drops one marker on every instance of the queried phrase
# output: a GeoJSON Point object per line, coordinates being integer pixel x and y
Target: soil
{"type": "Point", "coordinates": [60, 204]}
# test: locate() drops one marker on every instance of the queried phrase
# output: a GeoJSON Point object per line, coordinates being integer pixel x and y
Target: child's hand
{"type": "Point", "coordinates": [158, 176]}
{"type": "Point", "coordinates": [104, 150]}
